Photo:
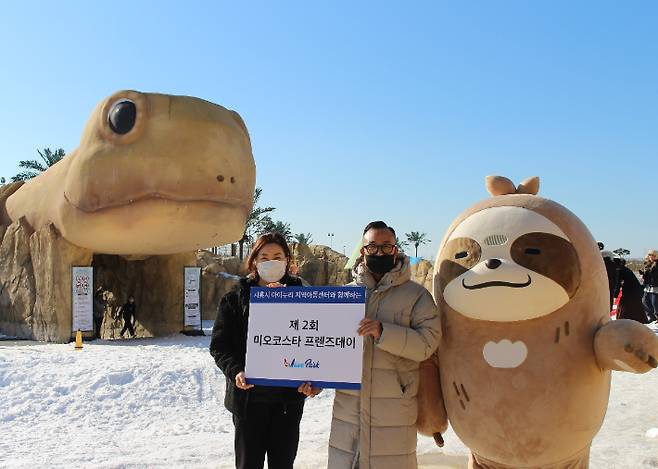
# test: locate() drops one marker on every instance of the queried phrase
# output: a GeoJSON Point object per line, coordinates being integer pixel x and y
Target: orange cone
{"type": "Point", "coordinates": [78, 340]}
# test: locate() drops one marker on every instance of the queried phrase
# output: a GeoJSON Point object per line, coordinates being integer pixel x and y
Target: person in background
{"type": "Point", "coordinates": [611, 271]}
{"type": "Point", "coordinates": [98, 312]}
{"type": "Point", "coordinates": [630, 305]}
{"type": "Point", "coordinates": [266, 418]}
{"type": "Point", "coordinates": [650, 277]}
{"type": "Point", "coordinates": [128, 312]}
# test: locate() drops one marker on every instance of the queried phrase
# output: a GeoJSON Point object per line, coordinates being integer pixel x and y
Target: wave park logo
{"type": "Point", "coordinates": [305, 364]}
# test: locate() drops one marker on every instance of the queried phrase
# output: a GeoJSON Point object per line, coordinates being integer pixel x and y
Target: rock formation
{"type": "Point", "coordinates": [320, 265]}
{"type": "Point", "coordinates": [35, 296]}
{"type": "Point", "coordinates": [422, 272]}
{"type": "Point", "coordinates": [218, 276]}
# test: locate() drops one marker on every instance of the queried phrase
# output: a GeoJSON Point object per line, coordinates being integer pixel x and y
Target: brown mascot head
{"type": "Point", "coordinates": [511, 254]}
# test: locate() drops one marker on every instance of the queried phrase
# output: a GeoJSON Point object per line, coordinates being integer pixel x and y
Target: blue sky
{"type": "Point", "coordinates": [370, 111]}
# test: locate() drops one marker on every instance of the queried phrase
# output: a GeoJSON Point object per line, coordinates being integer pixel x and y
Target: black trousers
{"type": "Point", "coordinates": [267, 428]}
{"type": "Point", "coordinates": [98, 322]}
{"type": "Point", "coordinates": [127, 326]}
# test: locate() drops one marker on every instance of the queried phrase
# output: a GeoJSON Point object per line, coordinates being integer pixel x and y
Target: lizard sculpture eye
{"type": "Point", "coordinates": [122, 116]}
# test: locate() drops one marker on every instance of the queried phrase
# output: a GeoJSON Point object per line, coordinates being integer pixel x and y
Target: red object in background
{"type": "Point", "coordinates": [615, 306]}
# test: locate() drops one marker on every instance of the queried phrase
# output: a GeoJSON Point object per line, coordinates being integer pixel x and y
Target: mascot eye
{"type": "Point", "coordinates": [557, 258]}
{"type": "Point", "coordinates": [457, 256]}
{"type": "Point", "coordinates": [122, 116]}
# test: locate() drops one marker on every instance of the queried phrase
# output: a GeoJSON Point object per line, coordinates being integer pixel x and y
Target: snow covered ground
{"type": "Point", "coordinates": [158, 403]}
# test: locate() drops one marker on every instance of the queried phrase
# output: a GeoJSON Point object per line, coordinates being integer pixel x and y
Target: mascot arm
{"type": "Point", "coordinates": [432, 417]}
{"type": "Point", "coordinates": [626, 345]}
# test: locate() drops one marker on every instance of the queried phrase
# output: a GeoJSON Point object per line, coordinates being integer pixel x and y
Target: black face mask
{"type": "Point", "coordinates": [380, 264]}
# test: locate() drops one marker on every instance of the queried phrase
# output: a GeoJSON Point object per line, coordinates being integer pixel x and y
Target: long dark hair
{"type": "Point", "coordinates": [272, 237]}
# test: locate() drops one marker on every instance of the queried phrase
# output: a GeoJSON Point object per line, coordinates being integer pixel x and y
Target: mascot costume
{"type": "Point", "coordinates": [523, 368]}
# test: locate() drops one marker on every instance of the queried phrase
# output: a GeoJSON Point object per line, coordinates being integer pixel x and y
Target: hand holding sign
{"type": "Point", "coordinates": [370, 327]}
{"type": "Point", "coordinates": [241, 382]}
{"type": "Point", "coordinates": [240, 379]}
{"type": "Point", "coordinates": [309, 390]}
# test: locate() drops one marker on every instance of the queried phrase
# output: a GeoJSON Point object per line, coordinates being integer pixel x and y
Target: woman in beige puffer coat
{"type": "Point", "coordinates": [374, 428]}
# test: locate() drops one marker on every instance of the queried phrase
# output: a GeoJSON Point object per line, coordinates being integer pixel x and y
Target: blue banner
{"type": "Point", "coordinates": [308, 295]}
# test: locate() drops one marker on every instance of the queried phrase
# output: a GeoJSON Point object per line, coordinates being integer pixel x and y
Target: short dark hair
{"type": "Point", "coordinates": [273, 237]}
{"type": "Point", "coordinates": [378, 225]}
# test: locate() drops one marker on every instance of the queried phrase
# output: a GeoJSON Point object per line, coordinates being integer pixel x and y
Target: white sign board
{"type": "Point", "coordinates": [82, 301]}
{"type": "Point", "coordinates": [300, 334]}
{"type": "Point", "coordinates": [192, 297]}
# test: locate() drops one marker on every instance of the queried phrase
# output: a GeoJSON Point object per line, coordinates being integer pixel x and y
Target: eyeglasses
{"type": "Point", "coordinates": [373, 248]}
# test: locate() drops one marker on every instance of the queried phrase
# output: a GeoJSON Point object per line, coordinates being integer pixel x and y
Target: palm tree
{"type": "Point", "coordinates": [32, 168]}
{"type": "Point", "coordinates": [255, 221]}
{"type": "Point", "coordinates": [302, 238]}
{"type": "Point", "coordinates": [621, 252]}
{"type": "Point", "coordinates": [280, 227]}
{"type": "Point", "coordinates": [417, 238]}
{"type": "Point", "coordinates": [400, 244]}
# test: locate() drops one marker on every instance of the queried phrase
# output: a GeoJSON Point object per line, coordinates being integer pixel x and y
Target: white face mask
{"type": "Point", "coordinates": [271, 271]}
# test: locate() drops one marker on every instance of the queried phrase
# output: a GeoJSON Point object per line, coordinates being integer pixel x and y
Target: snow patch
{"type": "Point", "coordinates": [158, 403]}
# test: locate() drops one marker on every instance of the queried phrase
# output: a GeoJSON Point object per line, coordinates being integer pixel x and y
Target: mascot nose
{"type": "Point", "coordinates": [493, 263]}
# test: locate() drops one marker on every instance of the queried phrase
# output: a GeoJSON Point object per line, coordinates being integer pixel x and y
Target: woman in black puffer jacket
{"type": "Point", "coordinates": [266, 418]}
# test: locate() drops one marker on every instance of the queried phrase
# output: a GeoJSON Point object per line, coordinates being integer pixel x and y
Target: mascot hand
{"type": "Point", "coordinates": [626, 345]}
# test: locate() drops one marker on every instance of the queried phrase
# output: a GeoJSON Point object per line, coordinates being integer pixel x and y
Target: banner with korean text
{"type": "Point", "coordinates": [82, 299]}
{"type": "Point", "coordinates": [300, 334]}
{"type": "Point", "coordinates": [192, 302]}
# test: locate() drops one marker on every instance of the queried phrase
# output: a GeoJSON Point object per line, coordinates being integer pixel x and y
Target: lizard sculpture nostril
{"type": "Point", "coordinates": [493, 263]}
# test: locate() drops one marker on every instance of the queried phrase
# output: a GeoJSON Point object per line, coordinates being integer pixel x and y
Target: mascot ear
{"type": "Point", "coordinates": [241, 123]}
{"type": "Point", "coordinates": [529, 186]}
{"type": "Point", "coordinates": [499, 185]}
